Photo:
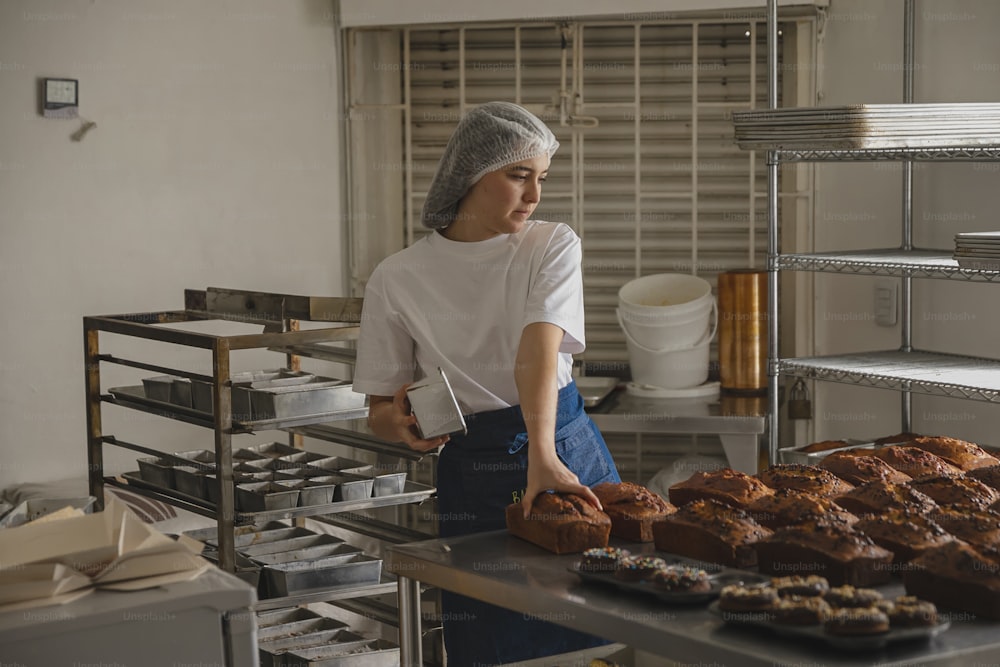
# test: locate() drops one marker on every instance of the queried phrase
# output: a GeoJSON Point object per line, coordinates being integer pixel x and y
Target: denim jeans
{"type": "Point", "coordinates": [479, 474]}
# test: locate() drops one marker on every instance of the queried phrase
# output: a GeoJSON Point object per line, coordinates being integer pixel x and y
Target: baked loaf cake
{"type": "Point", "coordinates": [788, 507]}
{"type": "Point", "coordinates": [563, 523]}
{"type": "Point", "coordinates": [916, 462]}
{"type": "Point", "coordinates": [727, 486]}
{"type": "Point", "coordinates": [896, 439]}
{"type": "Point", "coordinates": [804, 478]}
{"type": "Point", "coordinates": [879, 496]}
{"type": "Point", "coordinates": [824, 445]}
{"type": "Point", "coordinates": [980, 528]}
{"type": "Point", "coordinates": [838, 553]}
{"type": "Point", "coordinates": [905, 533]}
{"type": "Point", "coordinates": [633, 509]}
{"type": "Point", "coordinates": [963, 491]}
{"type": "Point", "coordinates": [958, 576]}
{"type": "Point", "coordinates": [857, 470]}
{"type": "Point", "coordinates": [990, 476]}
{"type": "Point", "coordinates": [710, 531]}
{"type": "Point", "coordinates": [960, 453]}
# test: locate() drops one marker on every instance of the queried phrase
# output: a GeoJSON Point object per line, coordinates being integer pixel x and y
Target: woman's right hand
{"type": "Point", "coordinates": [391, 418]}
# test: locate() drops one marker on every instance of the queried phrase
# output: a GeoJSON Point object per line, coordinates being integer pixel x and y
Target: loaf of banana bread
{"type": "Point", "coordinates": [727, 486]}
{"type": "Point", "coordinates": [633, 509]}
{"type": "Point", "coordinates": [711, 531]}
{"type": "Point", "coordinates": [838, 552]}
{"type": "Point", "coordinates": [560, 522]}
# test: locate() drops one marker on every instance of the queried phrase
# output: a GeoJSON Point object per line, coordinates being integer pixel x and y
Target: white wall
{"type": "Point", "coordinates": [859, 205]}
{"type": "Point", "coordinates": [214, 162]}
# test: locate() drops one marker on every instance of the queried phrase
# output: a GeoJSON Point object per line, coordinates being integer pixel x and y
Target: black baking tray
{"type": "Point", "coordinates": [815, 633]}
{"type": "Point", "coordinates": [718, 577]}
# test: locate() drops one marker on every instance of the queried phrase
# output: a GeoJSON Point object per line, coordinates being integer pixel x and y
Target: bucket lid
{"type": "Point", "coordinates": [650, 391]}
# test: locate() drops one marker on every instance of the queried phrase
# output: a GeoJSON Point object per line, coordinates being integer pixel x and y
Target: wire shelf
{"type": "Point", "coordinates": [930, 373]}
{"type": "Point", "coordinates": [887, 262]}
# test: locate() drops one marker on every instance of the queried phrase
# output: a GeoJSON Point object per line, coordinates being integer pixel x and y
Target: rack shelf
{"type": "Point", "coordinates": [905, 133]}
{"type": "Point", "coordinates": [886, 262]}
{"type": "Point", "coordinates": [930, 373]}
{"type": "Point", "coordinates": [133, 397]}
{"type": "Point", "coordinates": [413, 492]}
{"type": "Point", "coordinates": [386, 585]}
{"type": "Point", "coordinates": [280, 316]}
{"type": "Point", "coordinates": [919, 154]}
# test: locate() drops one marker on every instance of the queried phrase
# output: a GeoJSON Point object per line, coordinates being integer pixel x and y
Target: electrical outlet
{"type": "Point", "coordinates": [885, 303]}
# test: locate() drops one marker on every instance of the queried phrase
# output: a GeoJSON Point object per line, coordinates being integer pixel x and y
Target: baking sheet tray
{"type": "Point", "coordinates": [373, 653]}
{"type": "Point", "coordinates": [136, 395]}
{"type": "Point", "coordinates": [308, 553]}
{"type": "Point", "coordinates": [296, 577]}
{"type": "Point", "coordinates": [291, 544]}
{"type": "Point", "coordinates": [272, 652]}
{"type": "Point", "coordinates": [718, 579]}
{"type": "Point", "coordinates": [816, 633]}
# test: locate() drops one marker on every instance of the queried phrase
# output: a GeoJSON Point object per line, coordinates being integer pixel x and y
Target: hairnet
{"type": "Point", "coordinates": [487, 138]}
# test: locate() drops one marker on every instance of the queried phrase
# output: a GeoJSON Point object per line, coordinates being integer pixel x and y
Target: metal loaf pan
{"type": "Point", "coordinates": [388, 484]}
{"type": "Point", "coordinates": [191, 481]}
{"type": "Point", "coordinates": [199, 458]}
{"type": "Point", "coordinates": [266, 619]}
{"type": "Point", "coordinates": [372, 653]}
{"type": "Point", "coordinates": [291, 544]}
{"type": "Point", "coordinates": [296, 627]}
{"type": "Point", "coordinates": [239, 478]}
{"type": "Point", "coordinates": [290, 578]}
{"type": "Point", "coordinates": [272, 652]}
{"type": "Point", "coordinates": [351, 487]}
{"type": "Point", "coordinates": [202, 392]}
{"type": "Point", "coordinates": [324, 395]}
{"type": "Point", "coordinates": [342, 464]}
{"type": "Point", "coordinates": [270, 450]}
{"type": "Point", "coordinates": [338, 549]}
{"type": "Point", "coordinates": [265, 496]}
{"type": "Point", "coordinates": [317, 491]}
{"type": "Point", "coordinates": [246, 535]}
{"type": "Point", "coordinates": [157, 471]}
{"type": "Point", "coordinates": [158, 387]}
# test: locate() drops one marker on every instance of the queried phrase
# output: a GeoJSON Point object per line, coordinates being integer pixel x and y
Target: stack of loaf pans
{"type": "Point", "coordinates": [259, 395]}
{"type": "Point", "coordinates": [289, 560]}
{"type": "Point", "coordinates": [272, 476]}
{"type": "Point", "coordinates": [870, 127]}
{"type": "Point", "coordinates": [301, 637]}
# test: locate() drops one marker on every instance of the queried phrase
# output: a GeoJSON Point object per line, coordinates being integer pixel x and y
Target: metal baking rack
{"type": "Point", "coordinates": [279, 315]}
{"type": "Point", "coordinates": [905, 132]}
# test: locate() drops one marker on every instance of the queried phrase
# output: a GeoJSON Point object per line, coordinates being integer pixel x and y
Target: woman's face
{"type": "Point", "coordinates": [500, 202]}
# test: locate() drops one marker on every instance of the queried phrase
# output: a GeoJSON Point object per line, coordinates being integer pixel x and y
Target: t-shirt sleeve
{"type": "Point", "coordinates": [385, 358]}
{"type": "Point", "coordinates": [555, 294]}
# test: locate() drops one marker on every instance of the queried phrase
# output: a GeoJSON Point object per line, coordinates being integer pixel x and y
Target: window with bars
{"type": "Point", "coordinates": [647, 172]}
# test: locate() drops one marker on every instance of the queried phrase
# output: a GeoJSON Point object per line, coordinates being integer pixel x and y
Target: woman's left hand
{"type": "Point", "coordinates": [550, 474]}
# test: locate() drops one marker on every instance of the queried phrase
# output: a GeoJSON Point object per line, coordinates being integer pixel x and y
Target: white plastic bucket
{"type": "Point", "coordinates": [671, 366]}
{"type": "Point", "coordinates": [667, 309]}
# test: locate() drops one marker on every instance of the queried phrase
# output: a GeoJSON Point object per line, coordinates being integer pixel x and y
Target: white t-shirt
{"type": "Point", "coordinates": [462, 306]}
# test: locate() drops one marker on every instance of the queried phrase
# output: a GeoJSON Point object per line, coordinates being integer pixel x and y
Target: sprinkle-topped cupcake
{"type": "Point", "coordinates": [602, 559]}
{"type": "Point", "coordinates": [638, 568]}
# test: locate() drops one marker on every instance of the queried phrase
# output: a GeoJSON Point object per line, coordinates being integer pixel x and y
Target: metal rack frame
{"type": "Point", "coordinates": [905, 370]}
{"type": "Point", "coordinates": [280, 315]}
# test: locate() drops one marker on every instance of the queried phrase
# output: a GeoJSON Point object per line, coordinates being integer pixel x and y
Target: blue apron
{"type": "Point", "coordinates": [479, 474]}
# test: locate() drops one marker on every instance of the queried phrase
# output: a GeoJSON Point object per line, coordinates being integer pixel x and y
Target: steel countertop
{"type": "Point", "coordinates": [509, 572]}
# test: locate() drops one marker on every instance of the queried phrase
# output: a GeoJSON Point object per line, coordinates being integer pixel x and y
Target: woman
{"type": "Point", "coordinates": [496, 300]}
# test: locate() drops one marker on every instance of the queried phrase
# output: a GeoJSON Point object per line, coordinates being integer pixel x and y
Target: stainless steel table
{"type": "Point", "coordinates": [509, 572]}
{"type": "Point", "coordinates": [737, 420]}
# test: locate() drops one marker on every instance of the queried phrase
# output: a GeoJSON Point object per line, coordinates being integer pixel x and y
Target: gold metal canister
{"type": "Point", "coordinates": [743, 330]}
